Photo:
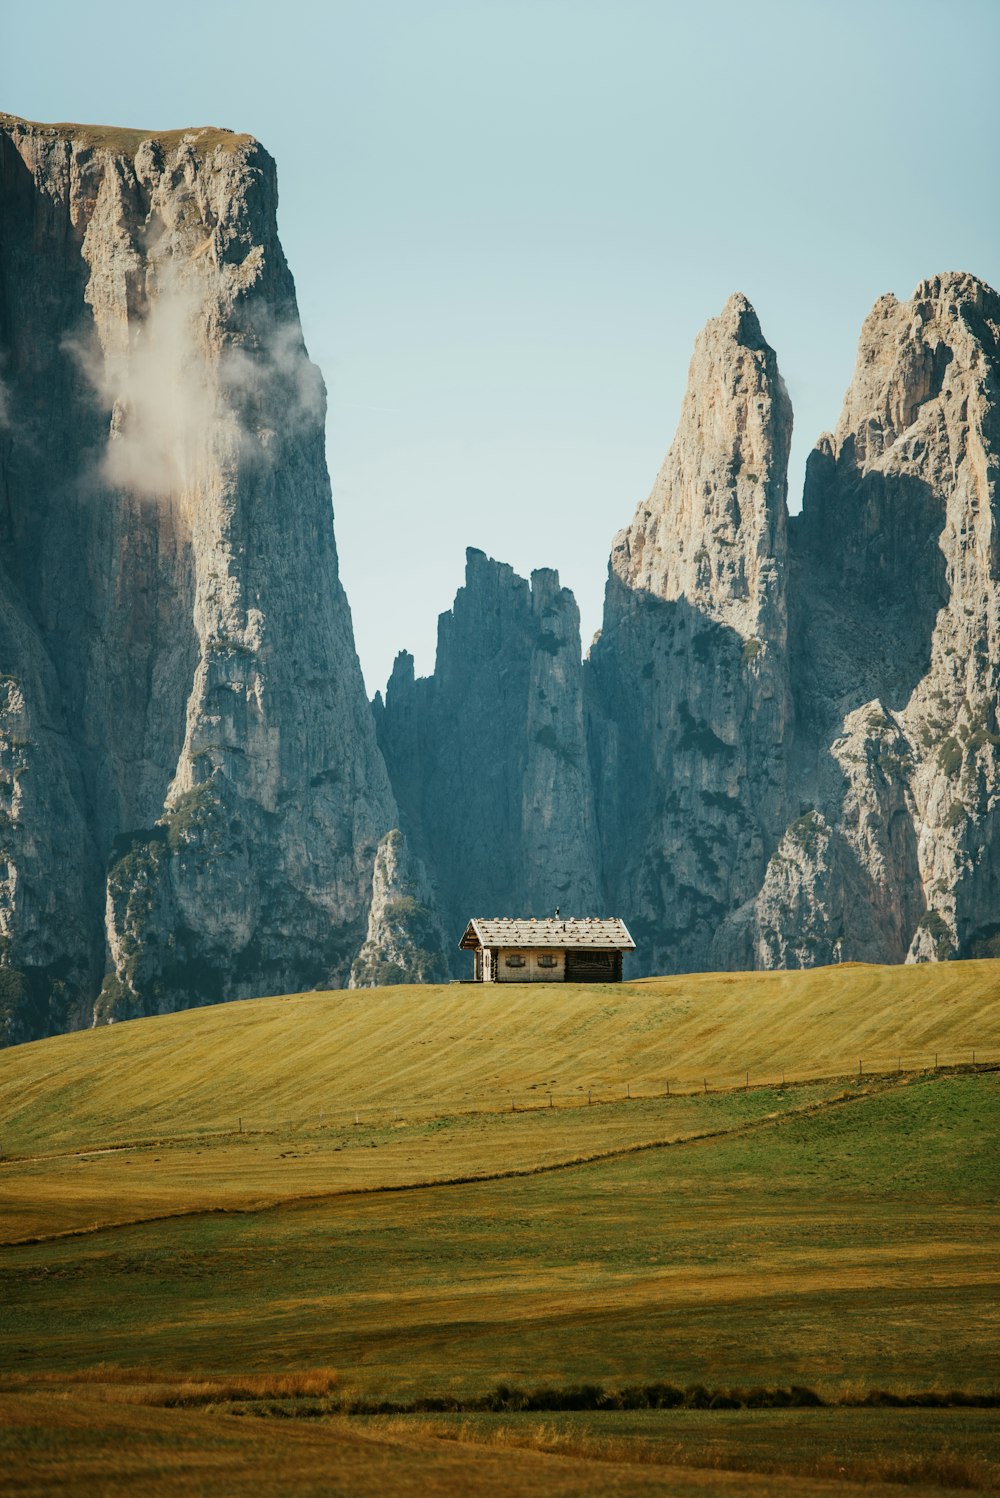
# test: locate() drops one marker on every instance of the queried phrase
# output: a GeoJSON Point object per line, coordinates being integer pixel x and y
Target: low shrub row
{"type": "Point", "coordinates": [506, 1399]}
{"type": "Point", "coordinates": [928, 1399]}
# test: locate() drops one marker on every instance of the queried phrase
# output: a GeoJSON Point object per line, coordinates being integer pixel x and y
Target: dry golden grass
{"type": "Point", "coordinates": [943, 1466]}
{"type": "Point", "coordinates": [428, 1052]}
{"type": "Point", "coordinates": [102, 1447]}
{"type": "Point", "coordinates": [857, 1241]}
{"type": "Point", "coordinates": [123, 141]}
{"type": "Point", "coordinates": [245, 1105]}
{"type": "Point", "coordinates": [87, 1447]}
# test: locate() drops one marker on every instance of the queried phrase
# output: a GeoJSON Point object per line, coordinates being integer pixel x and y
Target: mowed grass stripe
{"type": "Point", "coordinates": [431, 1051]}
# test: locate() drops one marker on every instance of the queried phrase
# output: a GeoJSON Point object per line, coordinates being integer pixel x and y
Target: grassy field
{"type": "Point", "coordinates": [425, 1052]}
{"type": "Point", "coordinates": [77, 1191]}
{"type": "Point", "coordinates": [839, 1234]}
{"type": "Point", "coordinates": [97, 1446]}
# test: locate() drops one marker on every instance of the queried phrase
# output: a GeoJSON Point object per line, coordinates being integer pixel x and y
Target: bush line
{"type": "Point", "coordinates": [505, 1399]}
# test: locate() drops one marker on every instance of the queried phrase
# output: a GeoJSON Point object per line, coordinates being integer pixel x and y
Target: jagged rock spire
{"type": "Point", "coordinates": [687, 685]}
{"type": "Point", "coordinates": [713, 529]}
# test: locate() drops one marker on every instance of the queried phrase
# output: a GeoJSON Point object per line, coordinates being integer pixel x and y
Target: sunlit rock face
{"type": "Point", "coordinates": [191, 796]}
{"type": "Point", "coordinates": [687, 685]}
{"type": "Point", "coordinates": [488, 756]}
{"type": "Point", "coordinates": [405, 943]}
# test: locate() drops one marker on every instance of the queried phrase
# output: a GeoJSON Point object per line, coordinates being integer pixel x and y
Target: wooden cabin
{"type": "Point", "coordinates": [547, 951]}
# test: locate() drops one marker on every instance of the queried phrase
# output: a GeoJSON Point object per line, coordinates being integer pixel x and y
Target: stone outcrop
{"type": "Point", "coordinates": [687, 685]}
{"type": "Point", "coordinates": [405, 943]}
{"type": "Point", "coordinates": [488, 757]}
{"type": "Point", "coordinates": [866, 767]}
{"type": "Point", "coordinates": [895, 590]}
{"type": "Point", "coordinates": [192, 795]}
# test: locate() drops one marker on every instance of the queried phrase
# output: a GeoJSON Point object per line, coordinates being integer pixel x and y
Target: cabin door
{"type": "Point", "coordinates": [593, 967]}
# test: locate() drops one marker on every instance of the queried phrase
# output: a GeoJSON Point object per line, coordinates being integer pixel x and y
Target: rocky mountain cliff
{"type": "Point", "coordinates": [895, 609]}
{"type": "Point", "coordinates": [191, 795]}
{"type": "Point", "coordinates": [488, 757]}
{"type": "Point", "coordinates": [783, 748]}
{"type": "Point", "coordinates": [791, 722]}
{"type": "Point", "coordinates": [687, 687]}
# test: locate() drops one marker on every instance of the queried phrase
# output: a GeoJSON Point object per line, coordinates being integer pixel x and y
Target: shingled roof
{"type": "Point", "coordinates": [502, 931]}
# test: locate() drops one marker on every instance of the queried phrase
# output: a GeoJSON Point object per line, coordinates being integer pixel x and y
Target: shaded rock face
{"type": "Point", "coordinates": [895, 612]}
{"type": "Point", "coordinates": [687, 686]}
{"type": "Point", "coordinates": [405, 943]}
{"type": "Point", "coordinates": [488, 756]}
{"type": "Point", "coordinates": [190, 790]}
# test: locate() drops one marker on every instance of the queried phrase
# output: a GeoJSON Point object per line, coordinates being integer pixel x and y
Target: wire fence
{"type": "Point", "coordinates": [539, 1097]}
{"type": "Point", "coordinates": [380, 1114]}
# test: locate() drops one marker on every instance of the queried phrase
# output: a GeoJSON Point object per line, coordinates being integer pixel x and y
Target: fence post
{"type": "Point", "coordinates": [356, 1118]}
{"type": "Point", "coordinates": [748, 1082]}
{"type": "Point", "coordinates": [550, 1100]}
{"type": "Point", "coordinates": [668, 1087]}
{"type": "Point", "coordinates": [628, 1085]}
{"type": "Point", "coordinates": [512, 1107]}
{"type": "Point", "coordinates": [859, 1068]}
{"type": "Point", "coordinates": [588, 1097]}
{"type": "Point", "coordinates": [241, 1126]}
{"type": "Point", "coordinates": [705, 1080]}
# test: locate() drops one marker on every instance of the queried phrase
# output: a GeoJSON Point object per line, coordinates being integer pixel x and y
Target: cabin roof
{"type": "Point", "coordinates": [503, 931]}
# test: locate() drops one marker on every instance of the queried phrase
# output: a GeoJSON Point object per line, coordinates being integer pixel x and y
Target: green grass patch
{"type": "Point", "coordinates": [853, 1245]}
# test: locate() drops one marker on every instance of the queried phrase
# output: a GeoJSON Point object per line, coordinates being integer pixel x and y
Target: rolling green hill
{"type": "Point", "coordinates": [388, 1215]}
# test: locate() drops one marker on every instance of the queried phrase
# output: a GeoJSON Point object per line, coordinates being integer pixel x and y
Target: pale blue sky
{"type": "Point", "coordinates": [507, 221]}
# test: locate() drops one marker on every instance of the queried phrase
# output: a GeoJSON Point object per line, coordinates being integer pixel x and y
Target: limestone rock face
{"type": "Point", "coordinates": [895, 609]}
{"type": "Point", "coordinates": [687, 685]}
{"type": "Point", "coordinates": [488, 757]}
{"type": "Point", "coordinates": [50, 874]}
{"type": "Point", "coordinates": [183, 704]}
{"type": "Point", "coordinates": [796, 920]}
{"type": "Point", "coordinates": [830, 791]}
{"type": "Point", "coordinates": [846, 885]}
{"type": "Point", "coordinates": [405, 943]}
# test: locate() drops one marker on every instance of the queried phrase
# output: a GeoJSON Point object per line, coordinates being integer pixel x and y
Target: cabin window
{"type": "Point", "coordinates": [514, 960]}
{"type": "Point", "coordinates": [547, 960]}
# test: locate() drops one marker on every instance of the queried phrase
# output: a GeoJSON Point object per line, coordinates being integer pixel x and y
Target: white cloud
{"type": "Point", "coordinates": [174, 406]}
